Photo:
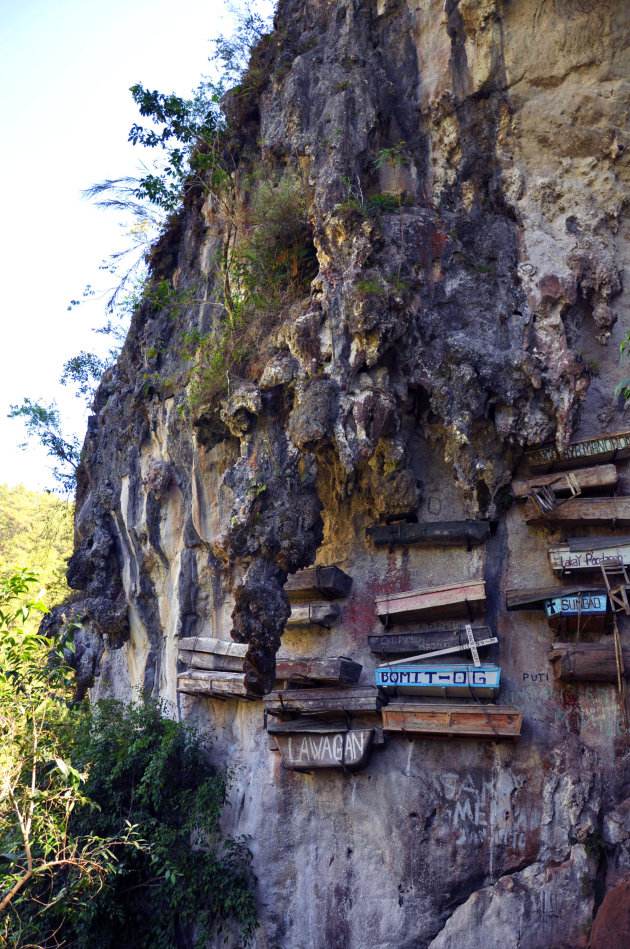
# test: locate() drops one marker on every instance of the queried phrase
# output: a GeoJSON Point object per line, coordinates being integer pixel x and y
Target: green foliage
{"type": "Point", "coordinates": [37, 529]}
{"type": "Point", "coordinates": [624, 385]}
{"type": "Point", "coordinates": [110, 818]}
{"type": "Point", "coordinates": [154, 772]}
{"type": "Point", "coordinates": [46, 870]}
{"type": "Point", "coordinates": [43, 423]}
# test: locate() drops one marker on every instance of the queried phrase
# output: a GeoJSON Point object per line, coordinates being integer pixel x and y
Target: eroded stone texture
{"type": "Point", "coordinates": [469, 301]}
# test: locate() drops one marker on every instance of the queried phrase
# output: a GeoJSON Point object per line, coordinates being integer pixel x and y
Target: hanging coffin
{"type": "Point", "coordinates": [588, 662]}
{"type": "Point", "coordinates": [321, 745]}
{"type": "Point", "coordinates": [314, 582]}
{"type": "Point", "coordinates": [489, 722]}
{"type": "Point", "coordinates": [431, 534]}
{"type": "Point", "coordinates": [433, 642]}
{"type": "Point", "coordinates": [590, 553]}
{"type": "Point", "coordinates": [582, 611]}
{"type": "Point", "coordinates": [450, 680]}
{"type": "Point", "coordinates": [459, 599]}
{"type": "Point", "coordinates": [599, 449]}
{"type": "Point", "coordinates": [599, 479]}
{"type": "Point", "coordinates": [580, 510]}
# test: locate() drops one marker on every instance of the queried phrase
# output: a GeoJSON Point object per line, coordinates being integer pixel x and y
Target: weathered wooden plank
{"type": "Point", "coordinates": [431, 533]}
{"type": "Point", "coordinates": [581, 510]}
{"type": "Point", "coordinates": [336, 669]}
{"type": "Point", "coordinates": [321, 701]}
{"type": "Point", "coordinates": [218, 647]}
{"type": "Point", "coordinates": [220, 685]}
{"type": "Point", "coordinates": [451, 599]}
{"type": "Point", "coordinates": [565, 560]}
{"type": "Point", "coordinates": [314, 614]}
{"type": "Point", "coordinates": [342, 750]}
{"type": "Point", "coordinates": [602, 448]}
{"type": "Point", "coordinates": [535, 598]}
{"type": "Point", "coordinates": [587, 662]}
{"type": "Point", "coordinates": [390, 644]}
{"type": "Point", "coordinates": [457, 679]}
{"type": "Point", "coordinates": [453, 721]}
{"type": "Point", "coordinates": [328, 582]}
{"type": "Point", "coordinates": [599, 477]}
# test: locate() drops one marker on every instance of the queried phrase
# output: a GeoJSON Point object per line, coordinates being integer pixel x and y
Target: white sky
{"type": "Point", "coordinates": [65, 112]}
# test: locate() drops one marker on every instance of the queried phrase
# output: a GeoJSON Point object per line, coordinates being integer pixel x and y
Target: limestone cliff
{"type": "Point", "coordinates": [465, 171]}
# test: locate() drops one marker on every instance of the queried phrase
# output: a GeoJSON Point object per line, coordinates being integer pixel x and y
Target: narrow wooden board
{"type": "Point", "coordinates": [219, 685]}
{"type": "Point", "coordinates": [320, 701]}
{"type": "Point", "coordinates": [392, 644]}
{"type": "Point", "coordinates": [581, 510]}
{"type": "Point", "coordinates": [218, 647]}
{"type": "Point", "coordinates": [535, 598]}
{"type": "Point", "coordinates": [489, 722]}
{"type": "Point", "coordinates": [328, 582]}
{"type": "Point", "coordinates": [565, 560]}
{"type": "Point", "coordinates": [602, 448]}
{"type": "Point", "coordinates": [599, 477]}
{"type": "Point", "coordinates": [431, 534]}
{"type": "Point", "coordinates": [587, 662]}
{"type": "Point", "coordinates": [451, 599]}
{"type": "Point", "coordinates": [340, 750]}
{"type": "Point", "coordinates": [314, 614]}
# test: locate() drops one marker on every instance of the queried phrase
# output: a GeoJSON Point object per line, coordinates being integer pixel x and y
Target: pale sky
{"type": "Point", "coordinates": [65, 112]}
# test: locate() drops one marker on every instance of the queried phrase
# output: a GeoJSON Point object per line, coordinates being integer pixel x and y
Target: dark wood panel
{"type": "Point", "coordinates": [391, 644]}
{"type": "Point", "coordinates": [431, 534]}
{"type": "Point", "coordinates": [587, 662]}
{"type": "Point", "coordinates": [321, 701]}
{"type": "Point", "coordinates": [328, 582]}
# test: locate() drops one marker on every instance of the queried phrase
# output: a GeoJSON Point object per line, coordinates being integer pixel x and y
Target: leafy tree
{"type": "Point", "coordinates": [45, 868]}
{"type": "Point", "coordinates": [43, 423]}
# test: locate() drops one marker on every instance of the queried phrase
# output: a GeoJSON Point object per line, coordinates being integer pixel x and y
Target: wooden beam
{"type": "Point", "coordinates": [450, 600]}
{"type": "Point", "coordinates": [535, 598]}
{"type": "Point", "coordinates": [587, 662]}
{"type": "Point", "coordinates": [581, 510]}
{"type": "Point", "coordinates": [489, 722]}
{"type": "Point", "coordinates": [391, 644]}
{"type": "Point", "coordinates": [601, 448]}
{"type": "Point", "coordinates": [328, 582]}
{"type": "Point", "coordinates": [220, 685]}
{"type": "Point", "coordinates": [599, 477]}
{"type": "Point", "coordinates": [314, 614]}
{"type": "Point", "coordinates": [431, 534]}
{"type": "Point", "coordinates": [564, 559]}
{"type": "Point", "coordinates": [340, 750]}
{"type": "Point", "coordinates": [321, 701]}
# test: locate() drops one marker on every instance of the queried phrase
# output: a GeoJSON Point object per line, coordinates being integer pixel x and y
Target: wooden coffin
{"type": "Point", "coordinates": [599, 478]}
{"type": "Point", "coordinates": [535, 598]}
{"type": "Point", "coordinates": [322, 701]}
{"type": "Point", "coordinates": [587, 662]}
{"type": "Point", "coordinates": [313, 614]}
{"type": "Point", "coordinates": [327, 582]}
{"type": "Point", "coordinates": [457, 679]}
{"type": "Point", "coordinates": [336, 669]}
{"type": "Point", "coordinates": [603, 448]}
{"type": "Point", "coordinates": [325, 749]}
{"type": "Point", "coordinates": [218, 685]}
{"type": "Point", "coordinates": [590, 553]}
{"type": "Point", "coordinates": [453, 721]}
{"type": "Point", "coordinates": [452, 600]}
{"type": "Point", "coordinates": [431, 534]}
{"type": "Point", "coordinates": [581, 510]}
{"type": "Point", "coordinates": [432, 642]}
{"type": "Point", "coordinates": [583, 611]}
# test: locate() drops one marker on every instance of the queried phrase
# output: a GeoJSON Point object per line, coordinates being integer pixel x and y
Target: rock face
{"type": "Point", "coordinates": [465, 170]}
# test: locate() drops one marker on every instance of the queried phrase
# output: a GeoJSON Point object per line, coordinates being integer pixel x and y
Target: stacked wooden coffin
{"type": "Point", "coordinates": [429, 672]}
{"type": "Point", "coordinates": [574, 487]}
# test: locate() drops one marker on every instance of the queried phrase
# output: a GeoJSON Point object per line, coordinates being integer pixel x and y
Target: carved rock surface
{"type": "Point", "coordinates": [465, 170]}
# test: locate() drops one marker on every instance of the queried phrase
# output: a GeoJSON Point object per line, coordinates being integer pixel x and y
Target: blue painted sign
{"type": "Point", "coordinates": [430, 679]}
{"type": "Point", "coordinates": [574, 605]}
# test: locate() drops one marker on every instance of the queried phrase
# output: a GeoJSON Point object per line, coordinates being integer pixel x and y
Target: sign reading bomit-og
{"type": "Point", "coordinates": [451, 679]}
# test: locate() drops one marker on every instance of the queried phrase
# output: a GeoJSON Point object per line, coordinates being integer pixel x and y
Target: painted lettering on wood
{"type": "Point", "coordinates": [308, 752]}
{"type": "Point", "coordinates": [441, 679]}
{"type": "Point", "coordinates": [616, 444]}
{"type": "Point", "coordinates": [564, 559]}
{"type": "Point", "coordinates": [572, 605]}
